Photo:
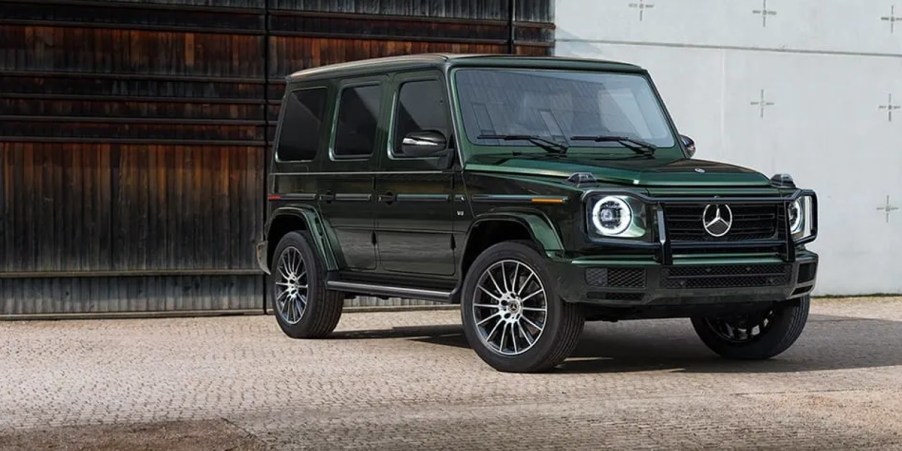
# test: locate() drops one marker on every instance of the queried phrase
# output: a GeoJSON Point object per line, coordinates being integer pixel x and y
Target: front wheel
{"type": "Point", "coordinates": [754, 336]}
{"type": "Point", "coordinates": [512, 315]}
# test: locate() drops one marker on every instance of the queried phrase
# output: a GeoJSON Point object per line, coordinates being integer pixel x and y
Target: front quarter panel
{"type": "Point", "coordinates": [549, 210]}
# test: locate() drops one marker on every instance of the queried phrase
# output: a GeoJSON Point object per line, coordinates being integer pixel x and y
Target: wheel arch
{"type": "Point", "coordinates": [497, 227]}
{"type": "Point", "coordinates": [290, 219]}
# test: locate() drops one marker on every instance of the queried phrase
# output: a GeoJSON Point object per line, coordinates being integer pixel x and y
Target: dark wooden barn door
{"type": "Point", "coordinates": [133, 134]}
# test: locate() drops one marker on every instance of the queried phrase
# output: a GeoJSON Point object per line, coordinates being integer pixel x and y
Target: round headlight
{"type": "Point", "coordinates": [795, 216]}
{"type": "Point", "coordinates": [611, 215]}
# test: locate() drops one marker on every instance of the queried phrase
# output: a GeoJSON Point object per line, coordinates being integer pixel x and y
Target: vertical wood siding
{"type": "Point", "coordinates": [128, 294]}
{"type": "Point", "coordinates": [133, 134]}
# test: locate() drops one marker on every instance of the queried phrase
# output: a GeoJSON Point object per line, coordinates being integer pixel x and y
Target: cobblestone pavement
{"type": "Point", "coordinates": [404, 380]}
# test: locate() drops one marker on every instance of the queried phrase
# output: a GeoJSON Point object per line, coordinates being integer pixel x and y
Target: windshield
{"type": "Point", "coordinates": [560, 105]}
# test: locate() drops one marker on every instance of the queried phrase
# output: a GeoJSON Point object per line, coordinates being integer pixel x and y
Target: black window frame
{"type": "Point", "coordinates": [333, 137]}
{"type": "Point", "coordinates": [324, 127]}
{"type": "Point", "coordinates": [656, 98]}
{"type": "Point", "coordinates": [393, 130]}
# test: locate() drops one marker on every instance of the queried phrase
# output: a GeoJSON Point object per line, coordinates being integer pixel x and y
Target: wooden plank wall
{"type": "Point", "coordinates": [133, 134]}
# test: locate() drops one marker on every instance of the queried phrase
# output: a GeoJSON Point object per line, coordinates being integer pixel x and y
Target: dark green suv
{"type": "Point", "coordinates": [536, 192]}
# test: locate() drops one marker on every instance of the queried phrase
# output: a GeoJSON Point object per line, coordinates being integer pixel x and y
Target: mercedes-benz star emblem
{"type": "Point", "coordinates": [717, 219]}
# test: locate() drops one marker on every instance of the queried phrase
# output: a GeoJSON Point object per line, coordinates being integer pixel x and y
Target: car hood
{"type": "Point", "coordinates": [631, 171]}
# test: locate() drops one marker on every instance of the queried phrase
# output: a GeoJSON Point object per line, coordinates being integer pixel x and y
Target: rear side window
{"type": "Point", "coordinates": [421, 107]}
{"type": "Point", "coordinates": [301, 125]}
{"type": "Point", "coordinates": [358, 117]}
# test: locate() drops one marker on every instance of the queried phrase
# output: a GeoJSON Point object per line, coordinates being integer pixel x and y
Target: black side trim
{"type": "Point", "coordinates": [514, 198]}
{"type": "Point", "coordinates": [423, 197]}
{"type": "Point", "coordinates": [354, 197]}
{"type": "Point", "coordinates": [298, 196]}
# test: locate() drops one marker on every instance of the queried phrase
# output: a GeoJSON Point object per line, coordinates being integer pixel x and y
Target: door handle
{"type": "Point", "coordinates": [388, 197]}
{"type": "Point", "coordinates": [327, 197]}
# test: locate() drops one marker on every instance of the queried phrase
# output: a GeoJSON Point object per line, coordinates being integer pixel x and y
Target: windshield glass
{"type": "Point", "coordinates": [559, 105]}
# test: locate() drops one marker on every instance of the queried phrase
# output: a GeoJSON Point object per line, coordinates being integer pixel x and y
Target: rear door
{"type": "Point", "coordinates": [346, 197]}
{"type": "Point", "coordinates": [413, 194]}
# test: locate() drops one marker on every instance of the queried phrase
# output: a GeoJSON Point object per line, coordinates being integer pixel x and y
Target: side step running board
{"type": "Point", "coordinates": [390, 291]}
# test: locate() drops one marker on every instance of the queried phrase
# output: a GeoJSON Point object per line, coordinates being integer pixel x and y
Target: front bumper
{"type": "Point", "coordinates": [638, 281]}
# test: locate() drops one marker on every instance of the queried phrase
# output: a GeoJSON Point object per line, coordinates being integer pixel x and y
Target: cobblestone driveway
{"type": "Point", "coordinates": [407, 380]}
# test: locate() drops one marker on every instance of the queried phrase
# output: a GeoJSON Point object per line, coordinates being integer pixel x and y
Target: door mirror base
{"type": "Point", "coordinates": [424, 144]}
{"type": "Point", "coordinates": [689, 144]}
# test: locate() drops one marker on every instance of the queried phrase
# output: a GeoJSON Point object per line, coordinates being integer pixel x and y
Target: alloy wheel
{"type": "Point", "coordinates": [291, 285]}
{"type": "Point", "coordinates": [742, 329]}
{"type": "Point", "coordinates": [510, 307]}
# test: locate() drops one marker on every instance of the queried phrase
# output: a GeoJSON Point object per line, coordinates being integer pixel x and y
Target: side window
{"type": "Point", "coordinates": [301, 125]}
{"type": "Point", "coordinates": [358, 117]}
{"type": "Point", "coordinates": [421, 107]}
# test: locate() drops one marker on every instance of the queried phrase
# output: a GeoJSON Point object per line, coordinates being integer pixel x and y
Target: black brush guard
{"type": "Point", "coordinates": [665, 248]}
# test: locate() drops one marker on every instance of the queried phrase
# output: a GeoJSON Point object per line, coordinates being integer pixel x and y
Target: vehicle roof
{"type": "Point", "coordinates": [443, 60]}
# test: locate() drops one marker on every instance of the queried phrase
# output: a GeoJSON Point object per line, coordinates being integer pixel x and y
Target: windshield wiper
{"type": "Point", "coordinates": [544, 143]}
{"type": "Point", "coordinates": [636, 145]}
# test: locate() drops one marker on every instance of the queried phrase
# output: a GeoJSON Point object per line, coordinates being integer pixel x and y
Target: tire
{"type": "Point", "coordinates": [778, 328]}
{"type": "Point", "coordinates": [554, 332]}
{"type": "Point", "coordinates": [302, 313]}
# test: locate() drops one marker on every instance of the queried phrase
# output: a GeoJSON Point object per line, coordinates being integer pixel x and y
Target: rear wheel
{"type": "Point", "coordinates": [511, 313]}
{"type": "Point", "coordinates": [754, 336]}
{"type": "Point", "coordinates": [304, 308]}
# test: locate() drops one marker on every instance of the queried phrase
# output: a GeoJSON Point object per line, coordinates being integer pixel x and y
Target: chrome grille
{"type": "Point", "coordinates": [750, 222]}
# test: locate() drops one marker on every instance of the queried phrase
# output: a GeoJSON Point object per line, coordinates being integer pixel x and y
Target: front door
{"type": "Point", "coordinates": [413, 206]}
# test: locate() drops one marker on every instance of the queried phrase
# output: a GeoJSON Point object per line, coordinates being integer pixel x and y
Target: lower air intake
{"type": "Point", "coordinates": [742, 276]}
{"type": "Point", "coordinates": [616, 277]}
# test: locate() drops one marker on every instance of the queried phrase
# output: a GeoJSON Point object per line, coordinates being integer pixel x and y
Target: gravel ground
{"type": "Point", "coordinates": [406, 380]}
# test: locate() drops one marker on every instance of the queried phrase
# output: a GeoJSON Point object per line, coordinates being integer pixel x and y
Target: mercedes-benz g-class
{"type": "Point", "coordinates": [537, 193]}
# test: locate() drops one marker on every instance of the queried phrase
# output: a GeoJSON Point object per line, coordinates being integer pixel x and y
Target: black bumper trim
{"type": "Point", "coordinates": [693, 284]}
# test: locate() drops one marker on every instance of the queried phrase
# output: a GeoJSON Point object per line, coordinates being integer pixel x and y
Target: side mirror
{"type": "Point", "coordinates": [424, 143]}
{"type": "Point", "coordinates": [689, 144]}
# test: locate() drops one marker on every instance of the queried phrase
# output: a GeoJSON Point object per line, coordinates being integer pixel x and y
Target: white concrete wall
{"type": "Point", "coordinates": [826, 65]}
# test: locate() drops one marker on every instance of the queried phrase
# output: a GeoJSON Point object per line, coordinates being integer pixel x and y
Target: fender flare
{"type": "Point", "coordinates": [536, 223]}
{"type": "Point", "coordinates": [539, 227]}
{"type": "Point", "coordinates": [315, 228]}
